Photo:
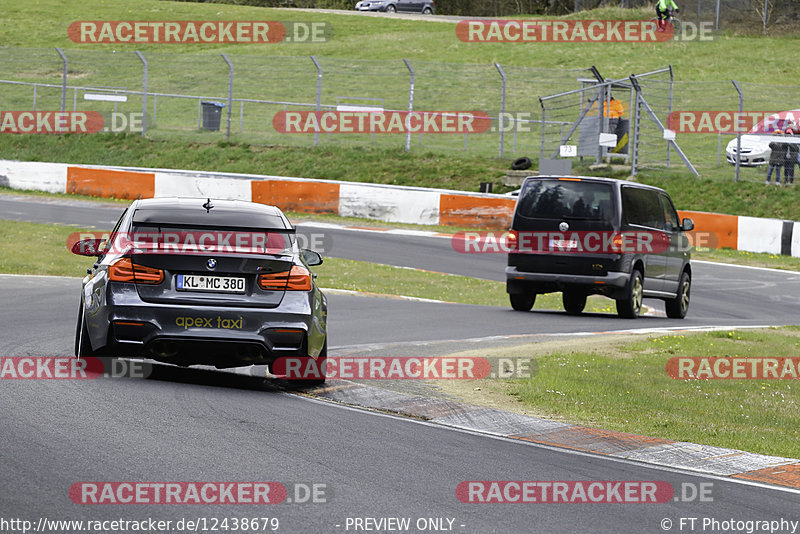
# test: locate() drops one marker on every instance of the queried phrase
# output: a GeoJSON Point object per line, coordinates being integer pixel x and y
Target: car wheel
{"type": "Point", "coordinates": [83, 347]}
{"type": "Point", "coordinates": [321, 359]}
{"type": "Point", "coordinates": [631, 306]}
{"type": "Point", "coordinates": [427, 11]}
{"type": "Point", "coordinates": [521, 164]}
{"type": "Point", "coordinates": [390, 8]}
{"type": "Point", "coordinates": [522, 301]}
{"type": "Point", "coordinates": [574, 302]}
{"type": "Point", "coordinates": [677, 307]}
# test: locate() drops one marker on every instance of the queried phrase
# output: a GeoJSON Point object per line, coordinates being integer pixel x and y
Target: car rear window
{"type": "Point", "coordinates": [567, 199]}
{"type": "Point", "coordinates": [249, 240]}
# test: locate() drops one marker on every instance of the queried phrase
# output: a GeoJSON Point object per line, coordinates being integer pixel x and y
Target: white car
{"type": "Point", "coordinates": [755, 144]}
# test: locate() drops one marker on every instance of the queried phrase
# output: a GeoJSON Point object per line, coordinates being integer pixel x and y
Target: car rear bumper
{"type": "Point", "coordinates": [209, 335]}
{"type": "Point", "coordinates": [526, 282]}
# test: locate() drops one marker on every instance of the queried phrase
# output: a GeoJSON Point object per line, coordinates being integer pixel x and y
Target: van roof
{"type": "Point", "coordinates": [594, 179]}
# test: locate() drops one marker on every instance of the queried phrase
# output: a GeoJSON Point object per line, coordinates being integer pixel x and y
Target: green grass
{"type": "Point", "coordinates": [624, 387]}
{"type": "Point", "coordinates": [376, 165]}
{"type": "Point", "coordinates": [443, 64]}
{"type": "Point", "coordinates": [754, 259]}
{"type": "Point", "coordinates": [32, 248]}
{"type": "Point", "coordinates": [358, 164]}
{"type": "Point", "coordinates": [390, 280]}
{"type": "Point", "coordinates": [44, 23]}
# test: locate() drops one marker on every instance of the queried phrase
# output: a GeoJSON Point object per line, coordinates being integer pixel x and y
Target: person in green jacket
{"type": "Point", "coordinates": [663, 8]}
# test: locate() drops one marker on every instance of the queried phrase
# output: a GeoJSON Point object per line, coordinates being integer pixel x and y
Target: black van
{"type": "Point", "coordinates": [586, 235]}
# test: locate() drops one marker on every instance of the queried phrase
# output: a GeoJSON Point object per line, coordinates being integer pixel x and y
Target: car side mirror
{"type": "Point", "coordinates": [688, 225]}
{"type": "Point", "coordinates": [89, 247]}
{"type": "Point", "coordinates": [310, 257]}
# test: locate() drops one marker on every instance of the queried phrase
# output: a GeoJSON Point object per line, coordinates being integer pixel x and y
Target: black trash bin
{"type": "Point", "coordinates": [212, 113]}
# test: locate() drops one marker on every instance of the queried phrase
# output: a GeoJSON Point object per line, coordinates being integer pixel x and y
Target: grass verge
{"type": "Point", "coordinates": [379, 165]}
{"type": "Point", "coordinates": [737, 257]}
{"type": "Point", "coordinates": [31, 248]}
{"type": "Point", "coordinates": [620, 383]}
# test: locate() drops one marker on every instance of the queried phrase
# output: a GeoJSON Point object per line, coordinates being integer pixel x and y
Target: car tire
{"type": "Point", "coordinates": [574, 302]}
{"type": "Point", "coordinates": [631, 306]}
{"type": "Point", "coordinates": [677, 307]}
{"type": "Point", "coordinates": [391, 9]}
{"type": "Point", "coordinates": [83, 347]}
{"type": "Point", "coordinates": [521, 164]}
{"type": "Point", "coordinates": [427, 11]}
{"type": "Point", "coordinates": [321, 359]}
{"type": "Point", "coordinates": [522, 301]}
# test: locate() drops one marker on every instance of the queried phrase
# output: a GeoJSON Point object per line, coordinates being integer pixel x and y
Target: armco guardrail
{"type": "Point", "coordinates": [415, 205]}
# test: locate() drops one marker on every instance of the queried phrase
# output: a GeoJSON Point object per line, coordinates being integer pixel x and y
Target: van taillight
{"type": "Point", "coordinates": [512, 240]}
{"type": "Point", "coordinates": [616, 243]}
{"type": "Point", "coordinates": [297, 279]}
{"type": "Point", "coordinates": [123, 270]}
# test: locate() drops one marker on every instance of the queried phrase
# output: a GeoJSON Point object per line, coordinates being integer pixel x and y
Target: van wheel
{"type": "Point", "coordinates": [522, 301]}
{"type": "Point", "coordinates": [427, 11]}
{"type": "Point", "coordinates": [574, 302]}
{"type": "Point", "coordinates": [677, 307]}
{"type": "Point", "coordinates": [390, 8]}
{"type": "Point", "coordinates": [631, 306]}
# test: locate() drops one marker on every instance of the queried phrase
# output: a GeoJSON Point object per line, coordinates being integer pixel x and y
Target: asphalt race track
{"type": "Point", "coordinates": [196, 425]}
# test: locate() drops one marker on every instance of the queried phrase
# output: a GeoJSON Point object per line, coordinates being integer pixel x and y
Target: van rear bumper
{"type": "Point", "coordinates": [524, 282]}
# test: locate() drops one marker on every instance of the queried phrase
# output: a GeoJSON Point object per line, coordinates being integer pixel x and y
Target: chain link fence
{"type": "Point", "coordinates": [171, 89]}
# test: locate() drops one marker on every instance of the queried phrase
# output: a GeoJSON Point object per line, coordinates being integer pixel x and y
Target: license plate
{"type": "Point", "coordinates": [222, 284]}
{"type": "Point", "coordinates": [563, 244]}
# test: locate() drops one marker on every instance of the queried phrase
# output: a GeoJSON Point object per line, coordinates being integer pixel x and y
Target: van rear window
{"type": "Point", "coordinates": [561, 199]}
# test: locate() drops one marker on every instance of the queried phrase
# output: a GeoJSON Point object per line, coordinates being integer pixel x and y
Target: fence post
{"type": "Point", "coordinates": [411, 84]}
{"type": "Point", "coordinates": [602, 107]}
{"type": "Point", "coordinates": [738, 133]}
{"type": "Point", "coordinates": [502, 105]}
{"type": "Point", "coordinates": [669, 110]}
{"type": "Point", "coordinates": [635, 113]}
{"type": "Point", "coordinates": [541, 140]}
{"type": "Point", "coordinates": [230, 95]}
{"type": "Point", "coordinates": [319, 95]}
{"type": "Point", "coordinates": [63, 80]}
{"type": "Point", "coordinates": [144, 91]}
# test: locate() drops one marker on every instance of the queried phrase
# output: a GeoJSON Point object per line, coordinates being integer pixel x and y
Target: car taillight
{"type": "Point", "coordinates": [298, 279]}
{"type": "Point", "coordinates": [123, 270]}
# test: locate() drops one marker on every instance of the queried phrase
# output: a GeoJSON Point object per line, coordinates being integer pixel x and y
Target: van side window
{"type": "Point", "coordinates": [673, 224]}
{"type": "Point", "coordinates": [642, 208]}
